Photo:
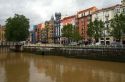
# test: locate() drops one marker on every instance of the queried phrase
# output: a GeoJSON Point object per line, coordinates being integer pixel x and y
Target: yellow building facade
{"type": "Point", "coordinates": [2, 34]}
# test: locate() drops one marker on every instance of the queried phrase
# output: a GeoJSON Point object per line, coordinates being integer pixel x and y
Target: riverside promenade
{"type": "Point", "coordinates": [110, 53]}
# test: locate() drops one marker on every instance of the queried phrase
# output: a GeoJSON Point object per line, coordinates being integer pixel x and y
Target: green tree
{"type": "Point", "coordinates": [90, 31]}
{"type": "Point", "coordinates": [95, 29]}
{"type": "Point", "coordinates": [71, 32]}
{"type": "Point", "coordinates": [118, 26]}
{"type": "Point", "coordinates": [67, 31]}
{"type": "Point", "coordinates": [17, 28]}
{"type": "Point", "coordinates": [76, 36]}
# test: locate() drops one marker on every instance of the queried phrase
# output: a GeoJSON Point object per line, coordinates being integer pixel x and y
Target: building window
{"type": "Point", "coordinates": [82, 20]}
{"type": "Point", "coordinates": [124, 10]}
{"type": "Point", "coordinates": [107, 38]}
{"type": "Point", "coordinates": [89, 13]}
{"type": "Point", "coordinates": [82, 33]}
{"type": "Point", "coordinates": [82, 14]}
{"type": "Point", "coordinates": [107, 42]}
{"type": "Point", "coordinates": [96, 16]}
{"type": "Point", "coordinates": [102, 38]}
{"type": "Point", "coordinates": [117, 10]}
{"type": "Point", "coordinates": [89, 18]}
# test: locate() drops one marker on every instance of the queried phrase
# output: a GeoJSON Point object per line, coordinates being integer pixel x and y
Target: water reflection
{"type": "Point", "coordinates": [71, 70]}
{"type": "Point", "coordinates": [2, 74]}
{"type": "Point", "coordinates": [38, 75]}
{"type": "Point", "coordinates": [23, 67]}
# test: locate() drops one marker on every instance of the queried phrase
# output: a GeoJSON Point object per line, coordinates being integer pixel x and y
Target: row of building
{"type": "Point", "coordinates": [50, 31]}
{"type": "Point", "coordinates": [2, 33]}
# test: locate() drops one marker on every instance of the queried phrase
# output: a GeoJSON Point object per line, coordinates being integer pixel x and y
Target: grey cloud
{"type": "Point", "coordinates": [40, 10]}
{"type": "Point", "coordinates": [107, 3]}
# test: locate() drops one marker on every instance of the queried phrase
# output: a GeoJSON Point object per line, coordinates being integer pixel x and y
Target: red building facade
{"type": "Point", "coordinates": [68, 20]}
{"type": "Point", "coordinates": [83, 19]}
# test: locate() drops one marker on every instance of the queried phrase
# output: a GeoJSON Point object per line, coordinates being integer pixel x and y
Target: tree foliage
{"type": "Point", "coordinates": [90, 31]}
{"type": "Point", "coordinates": [118, 26]}
{"type": "Point", "coordinates": [76, 36]}
{"type": "Point", "coordinates": [17, 28]}
{"type": "Point", "coordinates": [71, 32]}
{"type": "Point", "coordinates": [95, 29]}
{"type": "Point", "coordinates": [67, 31]}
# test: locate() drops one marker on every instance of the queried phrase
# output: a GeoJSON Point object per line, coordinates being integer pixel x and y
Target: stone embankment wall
{"type": "Point", "coordinates": [110, 54]}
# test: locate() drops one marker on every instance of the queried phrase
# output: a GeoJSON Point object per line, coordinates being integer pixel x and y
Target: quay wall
{"type": "Point", "coordinates": [110, 54]}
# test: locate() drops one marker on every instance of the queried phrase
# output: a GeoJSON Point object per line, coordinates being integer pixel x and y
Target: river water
{"type": "Point", "coordinates": [25, 67]}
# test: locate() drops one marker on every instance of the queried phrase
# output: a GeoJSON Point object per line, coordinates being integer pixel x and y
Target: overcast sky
{"type": "Point", "coordinates": [40, 10]}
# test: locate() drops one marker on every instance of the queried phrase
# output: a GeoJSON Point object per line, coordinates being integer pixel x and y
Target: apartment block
{"type": "Point", "coordinates": [106, 14]}
{"type": "Point", "coordinates": [82, 21]}
{"type": "Point", "coordinates": [2, 33]}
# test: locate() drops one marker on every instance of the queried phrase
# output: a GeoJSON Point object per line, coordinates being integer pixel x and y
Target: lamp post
{"type": "Point", "coordinates": [106, 27]}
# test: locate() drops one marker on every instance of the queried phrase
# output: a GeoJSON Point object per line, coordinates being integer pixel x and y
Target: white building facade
{"type": "Point", "coordinates": [106, 14]}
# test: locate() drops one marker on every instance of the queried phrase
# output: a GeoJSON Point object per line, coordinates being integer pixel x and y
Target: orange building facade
{"type": "Point", "coordinates": [39, 27]}
{"type": "Point", "coordinates": [2, 33]}
{"type": "Point", "coordinates": [82, 21]}
{"type": "Point", "coordinates": [68, 20]}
